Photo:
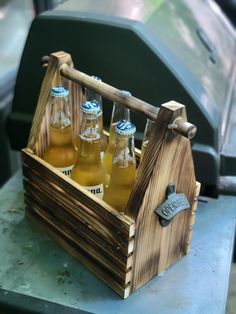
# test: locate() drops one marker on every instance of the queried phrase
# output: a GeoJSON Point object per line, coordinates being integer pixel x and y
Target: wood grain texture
{"type": "Point", "coordinates": [102, 237]}
{"type": "Point", "coordinates": [106, 260]}
{"type": "Point", "coordinates": [68, 189]}
{"type": "Point", "coordinates": [167, 159]}
{"type": "Point", "coordinates": [81, 256]}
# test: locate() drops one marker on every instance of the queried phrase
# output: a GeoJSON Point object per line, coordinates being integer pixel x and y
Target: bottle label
{"type": "Point", "coordinates": [66, 170]}
{"type": "Point", "coordinates": [97, 190]}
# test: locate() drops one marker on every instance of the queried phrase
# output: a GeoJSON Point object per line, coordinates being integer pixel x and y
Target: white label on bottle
{"type": "Point", "coordinates": [101, 155]}
{"type": "Point", "coordinates": [66, 170]}
{"type": "Point", "coordinates": [97, 190]}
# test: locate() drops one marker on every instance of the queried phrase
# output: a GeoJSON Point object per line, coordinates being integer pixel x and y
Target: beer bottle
{"type": "Point", "coordinates": [147, 133]}
{"type": "Point", "coordinates": [61, 152]}
{"type": "Point", "coordinates": [91, 96]}
{"type": "Point", "coordinates": [88, 170]}
{"type": "Point", "coordinates": [119, 112]}
{"type": "Point", "coordinates": [123, 167]}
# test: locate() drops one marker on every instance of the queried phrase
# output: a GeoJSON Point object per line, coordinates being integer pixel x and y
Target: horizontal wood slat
{"type": "Point", "coordinates": [110, 245]}
{"type": "Point", "coordinates": [71, 248]}
{"type": "Point", "coordinates": [79, 213]}
{"type": "Point", "coordinates": [122, 223]}
{"type": "Point", "coordinates": [107, 261]}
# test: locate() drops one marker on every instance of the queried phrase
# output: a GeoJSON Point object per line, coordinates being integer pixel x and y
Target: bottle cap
{"type": "Point", "coordinates": [125, 128]}
{"type": "Point", "coordinates": [59, 91]}
{"type": "Point", "coordinates": [97, 78]}
{"type": "Point", "coordinates": [91, 107]}
{"type": "Point", "coordinates": [126, 92]}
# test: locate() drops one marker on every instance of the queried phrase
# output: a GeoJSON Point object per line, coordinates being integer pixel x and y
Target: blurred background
{"type": "Point", "coordinates": [15, 20]}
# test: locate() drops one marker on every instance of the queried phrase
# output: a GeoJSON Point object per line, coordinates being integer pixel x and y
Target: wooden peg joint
{"type": "Point", "coordinates": [184, 128]}
{"type": "Point", "coordinates": [44, 61]}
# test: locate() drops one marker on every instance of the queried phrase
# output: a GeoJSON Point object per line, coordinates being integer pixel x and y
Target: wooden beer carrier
{"type": "Point", "coordinates": [124, 250]}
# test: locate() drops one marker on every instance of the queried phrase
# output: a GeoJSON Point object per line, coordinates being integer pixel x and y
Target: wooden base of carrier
{"type": "Point", "coordinates": [99, 237]}
{"type": "Point", "coordinates": [124, 250]}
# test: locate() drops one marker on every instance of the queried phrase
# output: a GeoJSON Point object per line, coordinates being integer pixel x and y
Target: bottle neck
{"type": "Point", "coordinates": [60, 132]}
{"type": "Point", "coordinates": [147, 134]}
{"type": "Point", "coordinates": [60, 113]}
{"type": "Point", "coordinates": [92, 96]}
{"type": "Point", "coordinates": [119, 112]}
{"type": "Point", "coordinates": [89, 127]}
{"type": "Point", "coordinates": [124, 154]}
{"type": "Point", "coordinates": [90, 139]}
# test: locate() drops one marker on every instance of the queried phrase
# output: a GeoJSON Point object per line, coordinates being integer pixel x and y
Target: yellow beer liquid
{"type": "Point", "coordinates": [107, 159]}
{"type": "Point", "coordinates": [122, 181]}
{"type": "Point", "coordinates": [88, 169]}
{"type": "Point", "coordinates": [103, 137]}
{"type": "Point", "coordinates": [60, 152]}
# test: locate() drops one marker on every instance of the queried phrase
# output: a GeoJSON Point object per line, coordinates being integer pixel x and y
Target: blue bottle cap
{"type": "Point", "coordinates": [126, 92]}
{"type": "Point", "coordinates": [97, 78]}
{"type": "Point", "coordinates": [59, 91]}
{"type": "Point", "coordinates": [125, 128]}
{"type": "Point", "coordinates": [91, 107]}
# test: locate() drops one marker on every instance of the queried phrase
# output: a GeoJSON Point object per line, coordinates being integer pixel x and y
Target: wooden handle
{"type": "Point", "coordinates": [180, 126]}
{"type": "Point", "coordinates": [185, 128]}
{"type": "Point", "coordinates": [109, 92]}
{"type": "Point", "coordinates": [44, 61]}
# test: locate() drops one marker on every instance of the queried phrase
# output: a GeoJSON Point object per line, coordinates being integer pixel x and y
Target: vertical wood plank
{"type": "Point", "coordinates": [193, 217]}
{"type": "Point", "coordinates": [167, 159]}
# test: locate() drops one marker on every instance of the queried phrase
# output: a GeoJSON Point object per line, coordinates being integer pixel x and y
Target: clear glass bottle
{"type": "Point", "coordinates": [91, 96]}
{"type": "Point", "coordinates": [147, 133]}
{"type": "Point", "coordinates": [123, 167]}
{"type": "Point", "coordinates": [61, 152]}
{"type": "Point", "coordinates": [88, 170]}
{"type": "Point", "coordinates": [119, 113]}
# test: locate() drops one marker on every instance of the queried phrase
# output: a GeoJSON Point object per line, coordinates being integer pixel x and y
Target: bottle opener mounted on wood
{"type": "Point", "coordinates": [172, 206]}
{"type": "Point", "coordinates": [124, 250]}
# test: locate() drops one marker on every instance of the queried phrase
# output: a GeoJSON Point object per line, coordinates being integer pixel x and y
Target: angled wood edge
{"type": "Point", "coordinates": [167, 159]}
{"type": "Point", "coordinates": [52, 77]}
{"type": "Point", "coordinates": [167, 114]}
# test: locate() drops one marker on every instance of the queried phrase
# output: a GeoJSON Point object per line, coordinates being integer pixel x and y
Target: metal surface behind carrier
{"type": "Point", "coordinates": [159, 51]}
